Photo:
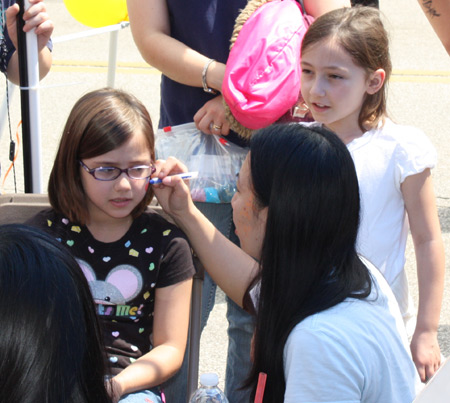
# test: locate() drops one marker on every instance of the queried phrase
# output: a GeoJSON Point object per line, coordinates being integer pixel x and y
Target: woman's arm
{"type": "Point", "coordinates": [150, 27]}
{"type": "Point", "coordinates": [170, 329]}
{"type": "Point", "coordinates": [35, 17]}
{"type": "Point", "coordinates": [438, 14]}
{"type": "Point", "coordinates": [420, 205]}
{"type": "Point", "coordinates": [228, 265]}
{"type": "Point", "coordinates": [149, 22]}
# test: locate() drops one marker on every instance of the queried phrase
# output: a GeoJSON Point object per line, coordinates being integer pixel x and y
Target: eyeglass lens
{"type": "Point", "coordinates": [111, 173]}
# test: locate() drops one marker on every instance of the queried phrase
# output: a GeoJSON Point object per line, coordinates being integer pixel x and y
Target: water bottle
{"type": "Point", "coordinates": [208, 392]}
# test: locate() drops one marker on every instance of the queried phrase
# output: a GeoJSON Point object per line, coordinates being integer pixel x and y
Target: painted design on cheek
{"type": "Point", "coordinates": [76, 229]}
{"type": "Point", "coordinates": [247, 212]}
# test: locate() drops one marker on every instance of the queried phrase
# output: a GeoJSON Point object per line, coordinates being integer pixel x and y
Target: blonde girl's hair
{"type": "Point", "coordinates": [360, 31]}
{"type": "Point", "coordinates": [99, 122]}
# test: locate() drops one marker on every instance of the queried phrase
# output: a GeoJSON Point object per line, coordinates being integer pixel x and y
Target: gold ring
{"type": "Point", "coordinates": [216, 127]}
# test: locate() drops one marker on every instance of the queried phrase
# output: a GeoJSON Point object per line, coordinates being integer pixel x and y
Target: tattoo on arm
{"type": "Point", "coordinates": [428, 5]}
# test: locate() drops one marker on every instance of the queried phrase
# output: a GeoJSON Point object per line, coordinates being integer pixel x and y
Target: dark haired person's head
{"type": "Point", "coordinates": [99, 122]}
{"type": "Point", "coordinates": [360, 32]}
{"type": "Point", "coordinates": [305, 186]}
{"type": "Point", "coordinates": [50, 343]}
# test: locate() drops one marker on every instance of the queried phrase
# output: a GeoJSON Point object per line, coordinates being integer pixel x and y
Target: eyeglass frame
{"type": "Point", "coordinates": [92, 171]}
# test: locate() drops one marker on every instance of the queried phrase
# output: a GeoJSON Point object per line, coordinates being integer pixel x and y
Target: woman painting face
{"type": "Point", "coordinates": [249, 219]}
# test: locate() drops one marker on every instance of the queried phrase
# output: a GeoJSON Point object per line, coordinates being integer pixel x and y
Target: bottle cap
{"type": "Point", "coordinates": [210, 379]}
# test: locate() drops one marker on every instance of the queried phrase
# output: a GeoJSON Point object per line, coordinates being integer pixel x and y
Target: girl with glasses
{"type": "Point", "coordinates": [138, 266]}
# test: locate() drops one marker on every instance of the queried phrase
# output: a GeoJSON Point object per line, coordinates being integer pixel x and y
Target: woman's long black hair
{"type": "Point", "coordinates": [306, 178]}
{"type": "Point", "coordinates": [50, 343]}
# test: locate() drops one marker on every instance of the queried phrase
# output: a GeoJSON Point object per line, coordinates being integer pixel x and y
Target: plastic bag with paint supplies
{"type": "Point", "coordinates": [217, 160]}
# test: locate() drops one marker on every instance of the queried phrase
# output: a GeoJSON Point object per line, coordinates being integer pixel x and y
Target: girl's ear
{"type": "Point", "coordinates": [375, 81]}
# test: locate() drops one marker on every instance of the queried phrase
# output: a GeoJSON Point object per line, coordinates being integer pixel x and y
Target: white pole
{"type": "Point", "coordinates": [35, 120]}
{"type": "Point", "coordinates": [112, 62]}
{"type": "Point", "coordinates": [91, 32]}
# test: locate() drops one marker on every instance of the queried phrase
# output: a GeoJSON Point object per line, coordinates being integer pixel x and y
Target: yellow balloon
{"type": "Point", "coordinates": [98, 13]}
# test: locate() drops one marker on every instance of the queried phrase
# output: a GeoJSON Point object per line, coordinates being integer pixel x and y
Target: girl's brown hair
{"type": "Point", "coordinates": [360, 31]}
{"type": "Point", "coordinates": [99, 122]}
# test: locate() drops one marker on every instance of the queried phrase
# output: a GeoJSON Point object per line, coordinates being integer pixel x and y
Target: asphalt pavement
{"type": "Point", "coordinates": [419, 94]}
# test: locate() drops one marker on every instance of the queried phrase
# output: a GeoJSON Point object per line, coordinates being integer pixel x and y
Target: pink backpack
{"type": "Point", "coordinates": [262, 75]}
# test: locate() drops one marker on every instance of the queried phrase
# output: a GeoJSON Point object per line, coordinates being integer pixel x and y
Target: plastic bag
{"type": "Point", "coordinates": [217, 160]}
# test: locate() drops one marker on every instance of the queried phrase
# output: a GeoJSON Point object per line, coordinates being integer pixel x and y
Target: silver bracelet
{"type": "Point", "coordinates": [205, 85]}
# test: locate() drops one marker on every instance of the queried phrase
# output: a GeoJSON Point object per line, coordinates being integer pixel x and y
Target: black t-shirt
{"type": "Point", "coordinates": [123, 276]}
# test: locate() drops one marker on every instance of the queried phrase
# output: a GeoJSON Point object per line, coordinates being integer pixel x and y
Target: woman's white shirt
{"type": "Point", "coordinates": [356, 351]}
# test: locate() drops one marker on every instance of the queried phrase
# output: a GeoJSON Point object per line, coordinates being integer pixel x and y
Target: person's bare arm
{"type": "Point", "coordinates": [420, 204]}
{"type": "Point", "coordinates": [228, 265]}
{"type": "Point", "coordinates": [170, 329]}
{"type": "Point", "coordinates": [150, 26]}
{"type": "Point", "coordinates": [438, 14]}
{"type": "Point", "coordinates": [35, 17]}
{"type": "Point", "coordinates": [149, 22]}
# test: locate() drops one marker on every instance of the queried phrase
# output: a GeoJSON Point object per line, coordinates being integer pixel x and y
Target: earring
{"type": "Point", "coordinates": [300, 110]}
